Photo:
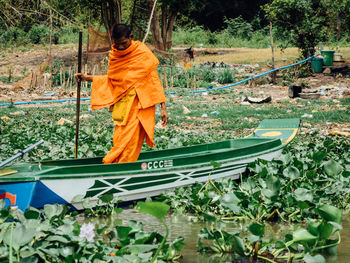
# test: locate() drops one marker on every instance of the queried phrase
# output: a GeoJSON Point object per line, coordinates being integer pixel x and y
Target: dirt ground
{"type": "Point", "coordinates": [22, 62]}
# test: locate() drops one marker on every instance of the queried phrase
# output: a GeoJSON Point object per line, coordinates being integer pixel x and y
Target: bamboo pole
{"type": "Point", "coordinates": [165, 79]}
{"type": "Point", "coordinates": [61, 76]}
{"type": "Point", "coordinates": [194, 82]}
{"type": "Point", "coordinates": [187, 82]}
{"type": "Point", "coordinates": [273, 55]}
{"type": "Point", "coordinates": [50, 34]}
{"type": "Point", "coordinates": [78, 95]}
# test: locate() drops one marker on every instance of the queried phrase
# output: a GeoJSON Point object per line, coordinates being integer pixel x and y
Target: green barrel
{"type": "Point", "coordinates": [328, 57]}
{"type": "Point", "coordinates": [317, 63]}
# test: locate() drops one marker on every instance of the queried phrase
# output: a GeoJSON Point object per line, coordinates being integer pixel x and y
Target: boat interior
{"type": "Point", "coordinates": [189, 151]}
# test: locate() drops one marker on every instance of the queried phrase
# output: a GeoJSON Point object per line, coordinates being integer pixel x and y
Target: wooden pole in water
{"type": "Point", "coordinates": [78, 94]}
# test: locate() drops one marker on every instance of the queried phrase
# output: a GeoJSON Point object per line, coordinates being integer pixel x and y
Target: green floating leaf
{"type": "Point", "coordinates": [31, 214]}
{"type": "Point", "coordinates": [210, 218]}
{"type": "Point", "coordinates": [77, 199]}
{"type": "Point", "coordinates": [302, 234]}
{"type": "Point", "coordinates": [29, 260]}
{"type": "Point", "coordinates": [237, 245]}
{"type": "Point", "coordinates": [280, 244]}
{"type": "Point", "coordinates": [178, 243]}
{"type": "Point", "coordinates": [330, 213]}
{"type": "Point", "coordinates": [319, 156]}
{"type": "Point", "coordinates": [136, 249]}
{"type": "Point", "coordinates": [273, 183]}
{"type": "Point", "coordinates": [21, 236]}
{"type": "Point", "coordinates": [313, 226]}
{"type": "Point", "coordinates": [302, 194]}
{"type": "Point", "coordinates": [123, 232]}
{"type": "Point", "coordinates": [291, 172]}
{"type": "Point", "coordinates": [332, 168]}
{"type": "Point", "coordinates": [52, 210]}
{"type": "Point", "coordinates": [314, 259]}
{"type": "Point", "coordinates": [231, 201]}
{"type": "Point", "coordinates": [106, 198]}
{"type": "Point", "coordinates": [257, 229]}
{"type": "Point", "coordinates": [215, 164]}
{"type": "Point", "coordinates": [156, 209]}
{"type": "Point", "coordinates": [326, 230]}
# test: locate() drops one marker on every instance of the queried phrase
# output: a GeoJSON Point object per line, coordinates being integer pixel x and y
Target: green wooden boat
{"type": "Point", "coordinates": [50, 182]}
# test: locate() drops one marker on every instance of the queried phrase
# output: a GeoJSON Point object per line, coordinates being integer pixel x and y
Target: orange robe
{"type": "Point", "coordinates": [133, 68]}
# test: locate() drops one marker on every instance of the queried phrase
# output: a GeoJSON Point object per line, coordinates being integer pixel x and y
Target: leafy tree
{"type": "Point", "coordinates": [338, 15]}
{"type": "Point", "coordinates": [303, 23]}
{"type": "Point", "coordinates": [212, 14]}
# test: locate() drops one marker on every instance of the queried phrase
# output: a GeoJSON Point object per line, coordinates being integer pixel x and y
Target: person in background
{"type": "Point", "coordinates": [131, 89]}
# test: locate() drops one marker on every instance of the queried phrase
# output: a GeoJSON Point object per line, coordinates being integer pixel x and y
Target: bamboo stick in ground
{"type": "Point", "coordinates": [68, 80]}
{"type": "Point", "coordinates": [194, 83]}
{"type": "Point", "coordinates": [64, 78]}
{"type": "Point", "coordinates": [61, 77]}
{"type": "Point", "coordinates": [165, 79]}
{"type": "Point", "coordinates": [31, 80]}
{"type": "Point", "coordinates": [273, 55]}
{"type": "Point", "coordinates": [187, 82]}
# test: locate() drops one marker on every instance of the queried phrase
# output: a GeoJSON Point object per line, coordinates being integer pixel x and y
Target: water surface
{"type": "Point", "coordinates": [180, 225]}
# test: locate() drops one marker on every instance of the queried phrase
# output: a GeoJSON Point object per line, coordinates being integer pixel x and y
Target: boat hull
{"type": "Point", "coordinates": [123, 187]}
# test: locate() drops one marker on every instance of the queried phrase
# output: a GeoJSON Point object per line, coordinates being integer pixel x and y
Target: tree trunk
{"type": "Point", "coordinates": [155, 27]}
{"type": "Point", "coordinates": [111, 13]}
{"type": "Point", "coordinates": [339, 21]}
{"type": "Point", "coordinates": [170, 28]}
{"type": "Point", "coordinates": [162, 32]}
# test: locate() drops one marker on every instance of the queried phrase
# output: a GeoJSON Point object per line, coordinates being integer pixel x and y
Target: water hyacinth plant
{"type": "Point", "coordinates": [53, 234]}
{"type": "Point", "coordinates": [286, 189]}
{"type": "Point", "coordinates": [308, 184]}
{"type": "Point", "coordinates": [319, 236]}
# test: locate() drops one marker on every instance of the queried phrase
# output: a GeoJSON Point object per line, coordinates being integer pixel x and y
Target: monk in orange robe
{"type": "Point", "coordinates": [131, 89]}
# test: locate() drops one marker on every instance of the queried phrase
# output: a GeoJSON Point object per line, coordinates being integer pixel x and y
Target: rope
{"type": "Point", "coordinates": [149, 21]}
{"type": "Point", "coordinates": [172, 92]}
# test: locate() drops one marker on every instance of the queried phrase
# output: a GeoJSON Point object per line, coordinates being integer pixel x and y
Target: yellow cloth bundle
{"type": "Point", "coordinates": [122, 107]}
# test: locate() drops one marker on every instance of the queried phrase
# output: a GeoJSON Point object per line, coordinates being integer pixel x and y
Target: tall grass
{"type": "Point", "coordinates": [200, 37]}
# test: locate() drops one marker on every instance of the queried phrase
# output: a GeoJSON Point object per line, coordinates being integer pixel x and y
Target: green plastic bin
{"type": "Point", "coordinates": [317, 64]}
{"type": "Point", "coordinates": [327, 57]}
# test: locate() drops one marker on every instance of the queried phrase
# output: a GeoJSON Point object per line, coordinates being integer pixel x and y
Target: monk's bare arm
{"type": "Point", "coordinates": [164, 114]}
{"type": "Point", "coordinates": [82, 77]}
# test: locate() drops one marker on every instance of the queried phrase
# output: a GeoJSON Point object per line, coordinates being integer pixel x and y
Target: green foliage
{"type": "Point", "coordinates": [317, 237]}
{"type": "Point", "coordinates": [208, 74]}
{"type": "Point", "coordinates": [38, 34]}
{"type": "Point", "coordinates": [302, 22]}
{"type": "Point", "coordinates": [53, 234]}
{"type": "Point", "coordinates": [225, 76]}
{"type": "Point", "coordinates": [238, 27]}
{"type": "Point", "coordinates": [288, 188]}
{"type": "Point", "coordinates": [198, 36]}
{"type": "Point", "coordinates": [13, 35]}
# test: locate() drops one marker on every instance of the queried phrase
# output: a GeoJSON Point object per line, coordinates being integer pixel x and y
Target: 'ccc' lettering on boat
{"type": "Point", "coordinates": [157, 164]}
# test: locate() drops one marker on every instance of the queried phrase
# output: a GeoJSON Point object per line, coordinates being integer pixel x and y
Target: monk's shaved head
{"type": "Point", "coordinates": [120, 31]}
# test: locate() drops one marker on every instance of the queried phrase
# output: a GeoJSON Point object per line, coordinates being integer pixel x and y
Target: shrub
{"type": "Point", "coordinates": [208, 74]}
{"type": "Point", "coordinates": [225, 76]}
{"type": "Point", "coordinates": [12, 36]}
{"type": "Point", "coordinates": [38, 34]}
{"type": "Point", "coordinates": [67, 34]}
